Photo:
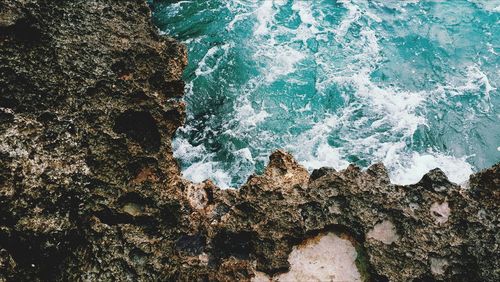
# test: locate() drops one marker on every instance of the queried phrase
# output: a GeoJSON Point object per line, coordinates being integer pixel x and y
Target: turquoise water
{"type": "Point", "coordinates": [413, 84]}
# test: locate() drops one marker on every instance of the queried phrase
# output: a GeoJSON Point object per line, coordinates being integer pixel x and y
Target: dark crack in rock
{"type": "Point", "coordinates": [89, 189]}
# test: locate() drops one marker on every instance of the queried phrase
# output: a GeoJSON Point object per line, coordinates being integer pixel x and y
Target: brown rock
{"type": "Point", "coordinates": [89, 189]}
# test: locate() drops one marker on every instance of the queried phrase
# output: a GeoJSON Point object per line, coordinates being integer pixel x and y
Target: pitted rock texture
{"type": "Point", "coordinates": [90, 97]}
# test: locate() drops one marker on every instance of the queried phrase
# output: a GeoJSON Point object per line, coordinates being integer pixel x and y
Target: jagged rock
{"type": "Point", "coordinates": [89, 189]}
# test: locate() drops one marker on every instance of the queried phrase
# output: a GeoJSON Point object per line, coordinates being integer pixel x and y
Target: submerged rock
{"type": "Point", "coordinates": [89, 189]}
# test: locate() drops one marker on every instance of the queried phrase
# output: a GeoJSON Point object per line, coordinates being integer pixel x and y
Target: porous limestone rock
{"type": "Point", "coordinates": [90, 97]}
{"type": "Point", "coordinates": [326, 257]}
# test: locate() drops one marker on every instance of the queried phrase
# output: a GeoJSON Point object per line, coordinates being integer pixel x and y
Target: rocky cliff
{"type": "Point", "coordinates": [90, 97]}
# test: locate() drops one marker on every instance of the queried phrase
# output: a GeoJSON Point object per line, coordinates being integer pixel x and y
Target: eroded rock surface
{"type": "Point", "coordinates": [89, 190]}
{"type": "Point", "coordinates": [326, 257]}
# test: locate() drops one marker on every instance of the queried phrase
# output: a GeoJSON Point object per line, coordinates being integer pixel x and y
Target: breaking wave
{"type": "Point", "coordinates": [412, 84]}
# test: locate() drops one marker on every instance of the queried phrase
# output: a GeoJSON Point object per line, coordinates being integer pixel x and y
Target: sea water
{"type": "Point", "coordinates": [412, 84]}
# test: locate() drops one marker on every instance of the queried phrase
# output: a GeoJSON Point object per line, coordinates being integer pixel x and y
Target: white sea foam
{"type": "Point", "coordinates": [201, 171]}
{"type": "Point", "coordinates": [353, 15]}
{"type": "Point", "coordinates": [246, 154]}
{"type": "Point", "coordinates": [216, 53]}
{"type": "Point", "coordinates": [392, 106]}
{"type": "Point", "coordinates": [489, 5]}
{"type": "Point", "coordinates": [312, 150]}
{"type": "Point", "coordinates": [411, 169]}
{"type": "Point", "coordinates": [202, 167]}
{"type": "Point", "coordinates": [176, 8]}
{"type": "Point", "coordinates": [305, 12]}
{"type": "Point", "coordinates": [248, 116]}
{"type": "Point", "coordinates": [474, 83]}
{"type": "Point", "coordinates": [390, 115]}
{"type": "Point", "coordinates": [477, 82]}
{"type": "Point", "coordinates": [183, 149]}
{"type": "Point", "coordinates": [265, 15]}
{"type": "Point", "coordinates": [284, 60]}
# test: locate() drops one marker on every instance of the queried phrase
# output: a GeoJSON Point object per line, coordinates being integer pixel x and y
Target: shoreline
{"type": "Point", "coordinates": [90, 190]}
